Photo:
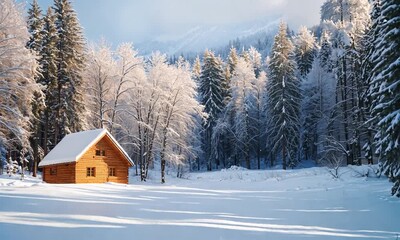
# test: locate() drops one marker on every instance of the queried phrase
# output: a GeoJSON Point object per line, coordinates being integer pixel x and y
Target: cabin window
{"type": "Point", "coordinates": [111, 172]}
{"type": "Point", "coordinates": [90, 172]}
{"type": "Point", "coordinates": [100, 152]}
{"type": "Point", "coordinates": [53, 171]}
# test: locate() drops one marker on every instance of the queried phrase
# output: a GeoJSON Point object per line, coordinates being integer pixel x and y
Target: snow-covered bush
{"type": "Point", "coordinates": [233, 168]}
{"type": "Point", "coordinates": [12, 167]}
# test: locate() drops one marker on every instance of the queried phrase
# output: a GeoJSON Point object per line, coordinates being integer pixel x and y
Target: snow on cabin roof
{"type": "Point", "coordinates": [74, 145]}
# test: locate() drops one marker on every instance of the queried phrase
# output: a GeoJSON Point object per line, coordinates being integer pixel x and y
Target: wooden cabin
{"type": "Point", "coordinates": [92, 156]}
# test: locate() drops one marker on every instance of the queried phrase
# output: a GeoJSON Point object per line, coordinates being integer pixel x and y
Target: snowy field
{"type": "Point", "coordinates": [230, 204]}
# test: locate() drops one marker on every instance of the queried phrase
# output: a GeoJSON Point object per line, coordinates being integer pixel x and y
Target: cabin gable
{"type": "Point", "coordinates": [102, 162]}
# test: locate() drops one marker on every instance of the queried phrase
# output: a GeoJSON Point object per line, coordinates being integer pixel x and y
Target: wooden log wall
{"type": "Point", "coordinates": [65, 173]}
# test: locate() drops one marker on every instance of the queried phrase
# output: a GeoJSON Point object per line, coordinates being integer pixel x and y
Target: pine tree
{"type": "Point", "coordinates": [225, 83]}
{"type": "Point", "coordinates": [305, 51]}
{"type": "Point", "coordinates": [283, 100]}
{"type": "Point", "coordinates": [211, 94]}
{"type": "Point", "coordinates": [49, 79]}
{"type": "Point", "coordinates": [325, 51]}
{"type": "Point", "coordinates": [35, 25]}
{"type": "Point", "coordinates": [311, 112]}
{"type": "Point", "coordinates": [71, 44]}
{"type": "Point", "coordinates": [368, 42]}
{"type": "Point", "coordinates": [226, 124]}
{"type": "Point", "coordinates": [385, 88]}
{"type": "Point", "coordinates": [35, 28]}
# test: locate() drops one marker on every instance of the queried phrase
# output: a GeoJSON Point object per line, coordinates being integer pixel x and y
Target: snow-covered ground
{"type": "Point", "coordinates": [230, 204]}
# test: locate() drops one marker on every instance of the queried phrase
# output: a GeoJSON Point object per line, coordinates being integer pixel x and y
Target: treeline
{"type": "Point", "coordinates": [333, 99]}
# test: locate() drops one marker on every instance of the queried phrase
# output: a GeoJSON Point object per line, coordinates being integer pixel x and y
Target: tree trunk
{"type": "Point", "coordinates": [162, 155]}
{"type": "Point", "coordinates": [46, 132]}
{"type": "Point", "coordinates": [247, 156]}
{"type": "Point", "coordinates": [208, 142]}
{"type": "Point", "coordinates": [136, 165]}
{"type": "Point", "coordinates": [284, 155]}
{"type": "Point", "coordinates": [272, 159]}
{"type": "Point", "coordinates": [345, 113]}
{"type": "Point", "coordinates": [258, 157]}
{"type": "Point", "coordinates": [162, 169]}
{"type": "Point", "coordinates": [36, 153]}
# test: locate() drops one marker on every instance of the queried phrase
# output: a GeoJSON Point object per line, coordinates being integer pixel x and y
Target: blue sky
{"type": "Point", "coordinates": [143, 20]}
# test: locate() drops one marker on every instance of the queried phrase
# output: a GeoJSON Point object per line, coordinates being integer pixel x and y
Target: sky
{"type": "Point", "coordinates": [145, 20]}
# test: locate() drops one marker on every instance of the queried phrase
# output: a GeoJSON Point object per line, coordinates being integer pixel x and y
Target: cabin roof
{"type": "Point", "coordinates": [74, 145]}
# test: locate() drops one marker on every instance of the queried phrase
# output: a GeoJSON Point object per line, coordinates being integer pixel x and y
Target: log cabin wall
{"type": "Point", "coordinates": [61, 173]}
{"type": "Point", "coordinates": [113, 159]}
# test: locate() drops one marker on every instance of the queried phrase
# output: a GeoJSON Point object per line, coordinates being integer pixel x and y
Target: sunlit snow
{"type": "Point", "coordinates": [229, 204]}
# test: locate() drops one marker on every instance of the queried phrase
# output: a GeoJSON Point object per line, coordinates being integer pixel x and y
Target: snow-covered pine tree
{"type": "Point", "coordinates": [283, 89]}
{"type": "Point", "coordinates": [223, 136]}
{"type": "Point", "coordinates": [70, 109]}
{"type": "Point", "coordinates": [35, 25]}
{"type": "Point", "coordinates": [35, 28]}
{"type": "Point", "coordinates": [357, 85]}
{"type": "Point", "coordinates": [225, 83]}
{"type": "Point", "coordinates": [305, 51]}
{"type": "Point", "coordinates": [368, 45]}
{"type": "Point", "coordinates": [325, 51]}
{"type": "Point", "coordinates": [222, 140]}
{"type": "Point", "coordinates": [385, 88]}
{"type": "Point", "coordinates": [311, 112]}
{"type": "Point", "coordinates": [49, 79]}
{"type": "Point", "coordinates": [212, 96]}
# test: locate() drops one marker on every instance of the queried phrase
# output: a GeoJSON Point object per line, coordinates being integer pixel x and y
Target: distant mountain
{"type": "Point", "coordinates": [218, 38]}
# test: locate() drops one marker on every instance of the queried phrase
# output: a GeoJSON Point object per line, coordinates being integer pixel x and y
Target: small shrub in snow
{"type": "Point", "coordinates": [12, 167]}
{"type": "Point", "coordinates": [365, 171]}
{"type": "Point", "coordinates": [233, 168]}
